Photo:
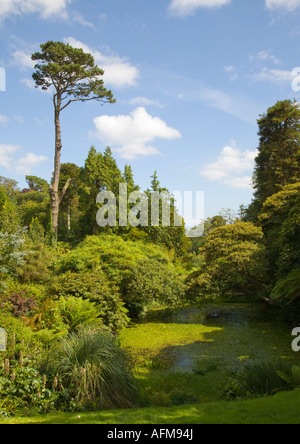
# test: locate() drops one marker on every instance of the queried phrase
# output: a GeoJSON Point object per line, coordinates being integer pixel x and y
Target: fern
{"type": "Point", "coordinates": [288, 288]}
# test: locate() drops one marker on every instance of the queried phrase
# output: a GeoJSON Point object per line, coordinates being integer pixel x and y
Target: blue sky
{"type": "Point", "coordinates": [190, 78]}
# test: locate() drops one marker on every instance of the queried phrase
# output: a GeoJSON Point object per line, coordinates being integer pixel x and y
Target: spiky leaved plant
{"type": "Point", "coordinates": [91, 364]}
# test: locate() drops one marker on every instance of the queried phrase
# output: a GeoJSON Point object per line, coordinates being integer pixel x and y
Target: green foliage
{"type": "Point", "coordinates": [71, 71]}
{"type": "Point", "coordinates": [36, 232]}
{"type": "Point", "coordinates": [144, 273]}
{"type": "Point", "coordinates": [287, 289]}
{"type": "Point", "coordinates": [96, 288]}
{"type": "Point", "coordinates": [280, 221]}
{"type": "Point", "coordinates": [15, 326]}
{"type": "Point", "coordinates": [278, 160]}
{"type": "Point", "coordinates": [10, 185]}
{"type": "Point", "coordinates": [233, 262]}
{"type": "Point", "coordinates": [37, 184]}
{"type": "Point", "coordinates": [99, 173]}
{"type": "Point", "coordinates": [24, 389]}
{"type": "Point", "coordinates": [289, 241]}
{"type": "Point", "coordinates": [93, 368]}
{"type": "Point", "coordinates": [11, 254]}
{"type": "Point", "coordinates": [31, 209]}
{"type": "Point", "coordinates": [76, 312]}
{"type": "Point", "coordinates": [257, 380]}
{"type": "Point", "coordinates": [152, 284]}
{"type": "Point", "coordinates": [9, 218]}
{"type": "Point", "coordinates": [37, 260]}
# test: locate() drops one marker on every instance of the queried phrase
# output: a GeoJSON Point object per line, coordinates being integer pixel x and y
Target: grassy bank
{"type": "Point", "coordinates": [284, 408]}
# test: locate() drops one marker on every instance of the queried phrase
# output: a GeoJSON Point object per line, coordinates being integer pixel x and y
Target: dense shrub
{"type": "Point", "coordinates": [37, 260]}
{"type": "Point", "coordinates": [95, 287]}
{"type": "Point", "coordinates": [144, 273]}
{"type": "Point", "coordinates": [234, 262]}
{"type": "Point", "coordinates": [15, 326]}
{"type": "Point", "coordinates": [18, 304]}
{"type": "Point", "coordinates": [152, 283]}
{"type": "Point", "coordinates": [11, 256]}
{"type": "Point", "coordinates": [23, 388]}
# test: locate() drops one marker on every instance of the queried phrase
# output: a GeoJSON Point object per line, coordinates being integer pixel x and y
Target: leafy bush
{"type": "Point", "coordinates": [37, 261]}
{"type": "Point", "coordinates": [24, 389]}
{"type": "Point", "coordinates": [56, 318]}
{"type": "Point", "coordinates": [11, 256]}
{"type": "Point", "coordinates": [152, 283]}
{"type": "Point", "coordinates": [95, 287]}
{"type": "Point", "coordinates": [144, 273]}
{"type": "Point", "coordinates": [92, 367]}
{"type": "Point", "coordinates": [234, 263]}
{"type": "Point", "coordinates": [15, 326]}
{"type": "Point", "coordinates": [18, 304]}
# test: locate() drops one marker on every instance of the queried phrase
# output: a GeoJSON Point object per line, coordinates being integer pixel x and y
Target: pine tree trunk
{"type": "Point", "coordinates": [54, 196]}
{"type": "Point", "coordinates": [69, 217]}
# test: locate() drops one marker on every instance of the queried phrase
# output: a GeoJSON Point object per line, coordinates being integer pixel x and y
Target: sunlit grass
{"type": "Point", "coordinates": [284, 408]}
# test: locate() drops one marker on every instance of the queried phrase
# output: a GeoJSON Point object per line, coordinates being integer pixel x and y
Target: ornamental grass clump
{"type": "Point", "coordinates": [93, 369]}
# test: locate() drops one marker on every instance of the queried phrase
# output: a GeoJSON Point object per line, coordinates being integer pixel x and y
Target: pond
{"type": "Point", "coordinates": [198, 347]}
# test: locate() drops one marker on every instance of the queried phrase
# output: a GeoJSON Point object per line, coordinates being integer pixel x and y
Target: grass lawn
{"type": "Point", "coordinates": [283, 408]}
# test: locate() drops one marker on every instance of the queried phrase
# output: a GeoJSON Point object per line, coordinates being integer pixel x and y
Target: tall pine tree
{"type": "Point", "coordinates": [278, 160]}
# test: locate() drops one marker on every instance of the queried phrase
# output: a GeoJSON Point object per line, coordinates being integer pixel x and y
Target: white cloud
{"type": "Point", "coordinates": [268, 56]}
{"type": "Point", "coordinates": [188, 7]}
{"type": "Point", "coordinates": [289, 5]}
{"type": "Point", "coordinates": [240, 183]}
{"type": "Point", "coordinates": [22, 60]}
{"type": "Point", "coordinates": [276, 76]}
{"type": "Point", "coordinates": [46, 8]}
{"type": "Point", "coordinates": [29, 83]}
{"type": "Point", "coordinates": [29, 162]}
{"type": "Point", "coordinates": [3, 119]}
{"type": "Point", "coordinates": [230, 167]}
{"type": "Point", "coordinates": [7, 153]}
{"type": "Point", "coordinates": [232, 71]}
{"type": "Point", "coordinates": [130, 135]}
{"type": "Point", "coordinates": [143, 101]}
{"type": "Point", "coordinates": [118, 71]}
{"type": "Point", "coordinates": [23, 165]}
{"type": "Point", "coordinates": [241, 107]}
{"type": "Point", "coordinates": [78, 18]}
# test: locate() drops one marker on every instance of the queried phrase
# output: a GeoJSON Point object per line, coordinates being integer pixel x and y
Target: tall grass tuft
{"type": "Point", "coordinates": [92, 366]}
{"type": "Point", "coordinates": [259, 379]}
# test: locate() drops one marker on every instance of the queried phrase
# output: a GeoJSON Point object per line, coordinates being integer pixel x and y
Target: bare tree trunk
{"type": "Point", "coordinates": [58, 146]}
{"type": "Point", "coordinates": [69, 217]}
